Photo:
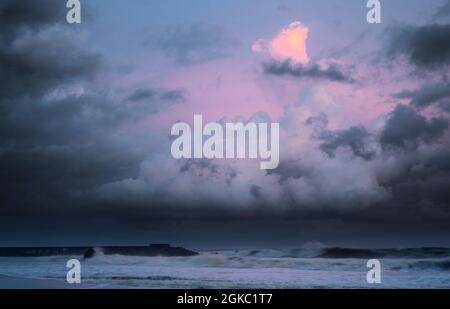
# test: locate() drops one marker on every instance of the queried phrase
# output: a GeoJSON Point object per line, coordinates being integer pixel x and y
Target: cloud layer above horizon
{"type": "Point", "coordinates": [85, 121]}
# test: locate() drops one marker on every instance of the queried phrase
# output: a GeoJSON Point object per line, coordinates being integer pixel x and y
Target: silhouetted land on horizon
{"type": "Point", "coordinates": [88, 252]}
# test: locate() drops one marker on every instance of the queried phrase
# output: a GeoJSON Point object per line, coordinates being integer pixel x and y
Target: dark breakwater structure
{"type": "Point", "coordinates": [88, 252]}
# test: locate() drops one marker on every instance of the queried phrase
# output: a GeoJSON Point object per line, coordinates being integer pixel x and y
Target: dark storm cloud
{"type": "Point", "coordinates": [445, 105]}
{"type": "Point", "coordinates": [192, 44]}
{"type": "Point", "coordinates": [141, 94]}
{"type": "Point", "coordinates": [36, 59]}
{"type": "Point", "coordinates": [16, 14]}
{"type": "Point", "coordinates": [426, 95]}
{"type": "Point", "coordinates": [59, 138]}
{"type": "Point", "coordinates": [48, 178]}
{"type": "Point", "coordinates": [290, 169]}
{"type": "Point", "coordinates": [419, 168]}
{"type": "Point", "coordinates": [172, 95]}
{"type": "Point", "coordinates": [286, 68]}
{"type": "Point", "coordinates": [153, 101]}
{"type": "Point", "coordinates": [355, 138]}
{"type": "Point", "coordinates": [39, 122]}
{"type": "Point", "coordinates": [419, 179]}
{"type": "Point", "coordinates": [75, 119]}
{"type": "Point", "coordinates": [319, 123]}
{"type": "Point", "coordinates": [35, 64]}
{"type": "Point", "coordinates": [406, 128]}
{"type": "Point", "coordinates": [443, 11]}
{"type": "Point", "coordinates": [148, 94]}
{"type": "Point", "coordinates": [207, 169]}
{"type": "Point", "coordinates": [426, 47]}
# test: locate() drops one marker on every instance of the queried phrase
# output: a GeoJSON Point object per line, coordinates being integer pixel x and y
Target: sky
{"type": "Point", "coordinates": [86, 112]}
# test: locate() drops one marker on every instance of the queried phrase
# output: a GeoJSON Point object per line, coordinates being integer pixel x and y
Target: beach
{"type": "Point", "coordinates": [7, 282]}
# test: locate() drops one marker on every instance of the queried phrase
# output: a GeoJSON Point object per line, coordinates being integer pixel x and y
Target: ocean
{"type": "Point", "coordinates": [307, 267]}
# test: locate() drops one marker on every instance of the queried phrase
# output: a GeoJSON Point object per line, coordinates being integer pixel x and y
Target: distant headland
{"type": "Point", "coordinates": [88, 252]}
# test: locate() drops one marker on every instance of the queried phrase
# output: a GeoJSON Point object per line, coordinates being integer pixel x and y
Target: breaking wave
{"type": "Point", "coordinates": [349, 253]}
{"type": "Point", "coordinates": [443, 265]}
{"type": "Point", "coordinates": [414, 253]}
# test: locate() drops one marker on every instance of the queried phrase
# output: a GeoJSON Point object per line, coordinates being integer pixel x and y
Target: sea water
{"type": "Point", "coordinates": [242, 269]}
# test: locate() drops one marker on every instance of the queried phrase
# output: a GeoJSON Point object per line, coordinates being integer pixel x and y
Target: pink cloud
{"type": "Point", "coordinates": [288, 44]}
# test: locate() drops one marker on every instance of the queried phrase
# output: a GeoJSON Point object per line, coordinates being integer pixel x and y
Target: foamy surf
{"type": "Point", "coordinates": [311, 266]}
